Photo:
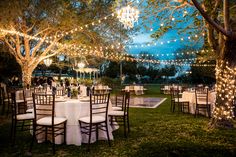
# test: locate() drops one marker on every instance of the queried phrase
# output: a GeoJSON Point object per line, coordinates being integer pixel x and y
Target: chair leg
{"type": "Point", "coordinates": [65, 133]}
{"type": "Point", "coordinates": [128, 123]}
{"type": "Point", "coordinates": [196, 111]}
{"type": "Point", "coordinates": [14, 133]}
{"type": "Point", "coordinates": [108, 136]}
{"type": "Point", "coordinates": [46, 134]}
{"type": "Point", "coordinates": [34, 137]}
{"type": "Point", "coordinates": [3, 107]}
{"type": "Point", "coordinates": [173, 107]}
{"type": "Point", "coordinates": [97, 132]}
{"type": "Point", "coordinates": [209, 111]}
{"type": "Point", "coordinates": [22, 126]}
{"type": "Point", "coordinates": [188, 108]}
{"type": "Point", "coordinates": [89, 140]}
{"type": "Point", "coordinates": [53, 141]}
{"type": "Point", "coordinates": [124, 121]}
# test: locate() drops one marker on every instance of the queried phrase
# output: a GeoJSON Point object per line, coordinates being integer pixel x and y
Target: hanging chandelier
{"type": "Point", "coordinates": [47, 62]}
{"type": "Point", "coordinates": [81, 65]}
{"type": "Point", "coordinates": [128, 15]}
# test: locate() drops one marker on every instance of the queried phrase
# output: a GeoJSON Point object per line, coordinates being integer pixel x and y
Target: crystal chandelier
{"type": "Point", "coordinates": [81, 65]}
{"type": "Point", "coordinates": [128, 15]}
{"type": "Point", "coordinates": [47, 62]}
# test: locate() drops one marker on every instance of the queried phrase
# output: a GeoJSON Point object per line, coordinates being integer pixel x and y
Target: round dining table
{"type": "Point", "coordinates": [190, 97]}
{"type": "Point", "coordinates": [73, 109]}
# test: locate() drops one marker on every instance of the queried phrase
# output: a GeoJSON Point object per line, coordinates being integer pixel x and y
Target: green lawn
{"type": "Point", "coordinates": [154, 132]}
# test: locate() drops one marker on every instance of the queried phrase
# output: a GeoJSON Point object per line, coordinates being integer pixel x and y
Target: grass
{"type": "Point", "coordinates": [154, 132]}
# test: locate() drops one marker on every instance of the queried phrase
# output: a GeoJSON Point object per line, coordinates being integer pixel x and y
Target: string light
{"type": "Point", "coordinates": [225, 89]}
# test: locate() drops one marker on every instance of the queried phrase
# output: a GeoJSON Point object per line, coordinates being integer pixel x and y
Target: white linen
{"type": "Point", "coordinates": [190, 97]}
{"type": "Point", "coordinates": [73, 109]}
{"type": "Point", "coordinates": [83, 90]}
{"type": "Point", "coordinates": [138, 90]}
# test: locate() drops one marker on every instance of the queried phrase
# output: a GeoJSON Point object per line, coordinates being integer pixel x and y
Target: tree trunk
{"type": "Point", "coordinates": [26, 75]}
{"type": "Point", "coordinates": [225, 87]}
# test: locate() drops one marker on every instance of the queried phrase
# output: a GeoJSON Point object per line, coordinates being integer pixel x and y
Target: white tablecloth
{"type": "Point", "coordinates": [73, 109]}
{"type": "Point", "coordinates": [138, 90]}
{"type": "Point", "coordinates": [83, 90]}
{"type": "Point", "coordinates": [190, 97]}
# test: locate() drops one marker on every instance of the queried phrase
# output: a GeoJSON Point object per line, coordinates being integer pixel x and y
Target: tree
{"type": "Point", "coordinates": [219, 23]}
{"type": "Point", "coordinates": [34, 30]}
{"type": "Point", "coordinates": [8, 66]}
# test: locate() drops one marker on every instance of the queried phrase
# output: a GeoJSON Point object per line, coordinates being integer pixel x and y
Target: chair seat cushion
{"type": "Point", "coordinates": [25, 116]}
{"type": "Point", "coordinates": [95, 119]}
{"type": "Point", "coordinates": [202, 103]}
{"type": "Point", "coordinates": [20, 101]}
{"type": "Point", "coordinates": [6, 100]}
{"type": "Point", "coordinates": [48, 121]}
{"type": "Point", "coordinates": [31, 110]}
{"type": "Point", "coordinates": [116, 108]}
{"type": "Point", "coordinates": [116, 113]}
{"type": "Point", "coordinates": [29, 99]}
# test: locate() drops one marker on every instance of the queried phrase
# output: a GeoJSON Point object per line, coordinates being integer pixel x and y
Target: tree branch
{"type": "Point", "coordinates": [212, 22]}
{"type": "Point", "coordinates": [226, 14]}
{"type": "Point", "coordinates": [38, 45]}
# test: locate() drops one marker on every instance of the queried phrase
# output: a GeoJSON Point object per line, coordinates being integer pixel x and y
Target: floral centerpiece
{"type": "Point", "coordinates": [74, 93]}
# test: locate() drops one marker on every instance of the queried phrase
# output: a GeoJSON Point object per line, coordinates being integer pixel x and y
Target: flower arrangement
{"type": "Point", "coordinates": [74, 93]}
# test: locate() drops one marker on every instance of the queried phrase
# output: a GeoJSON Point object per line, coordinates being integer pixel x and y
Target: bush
{"type": "Point", "coordinates": [111, 82]}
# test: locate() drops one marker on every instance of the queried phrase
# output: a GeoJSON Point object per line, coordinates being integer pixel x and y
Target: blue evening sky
{"type": "Point", "coordinates": [143, 37]}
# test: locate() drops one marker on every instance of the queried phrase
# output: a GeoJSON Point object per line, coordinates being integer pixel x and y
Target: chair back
{"type": "Point", "coordinates": [119, 99]}
{"type": "Point", "coordinates": [201, 95]}
{"type": "Point", "coordinates": [60, 91]}
{"type": "Point", "coordinates": [99, 105]}
{"type": "Point", "coordinates": [28, 92]}
{"type": "Point", "coordinates": [126, 102]}
{"type": "Point", "coordinates": [44, 105]}
{"type": "Point", "coordinates": [17, 108]}
{"type": "Point", "coordinates": [2, 95]}
{"type": "Point", "coordinates": [175, 94]}
{"type": "Point", "coordinates": [40, 90]}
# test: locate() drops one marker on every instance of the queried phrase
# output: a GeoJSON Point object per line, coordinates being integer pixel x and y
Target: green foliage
{"type": "Point", "coordinates": [8, 67]}
{"type": "Point", "coordinates": [112, 69]}
{"type": "Point", "coordinates": [161, 31]}
{"type": "Point", "coordinates": [86, 82]}
{"type": "Point", "coordinates": [168, 71]}
{"type": "Point", "coordinates": [74, 93]}
{"type": "Point", "coordinates": [111, 82]}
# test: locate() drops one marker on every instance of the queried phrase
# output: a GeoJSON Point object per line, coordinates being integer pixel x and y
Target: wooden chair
{"type": "Point", "coordinates": [21, 121]}
{"type": "Point", "coordinates": [28, 94]}
{"type": "Point", "coordinates": [60, 91]}
{"type": "Point", "coordinates": [46, 123]}
{"type": "Point", "coordinates": [123, 115]}
{"type": "Point", "coordinates": [2, 99]}
{"type": "Point", "coordinates": [98, 117]}
{"type": "Point", "coordinates": [177, 100]}
{"type": "Point", "coordinates": [201, 96]}
{"type": "Point", "coordinates": [118, 101]}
